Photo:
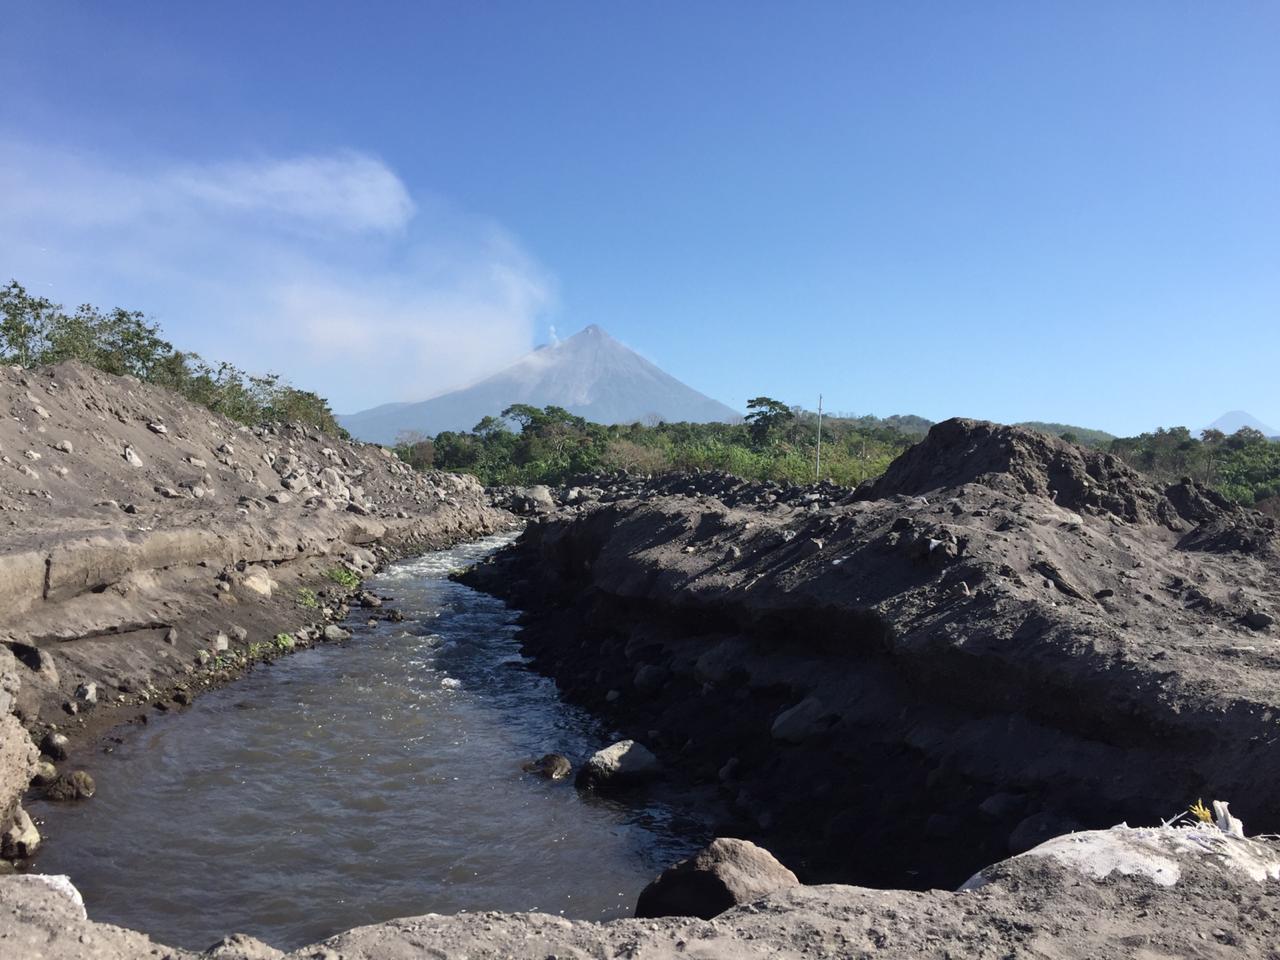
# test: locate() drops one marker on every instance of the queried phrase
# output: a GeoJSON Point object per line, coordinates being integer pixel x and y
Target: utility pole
{"type": "Point", "coordinates": [817, 464]}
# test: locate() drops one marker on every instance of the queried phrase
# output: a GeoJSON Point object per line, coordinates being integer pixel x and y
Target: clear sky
{"type": "Point", "coordinates": [1058, 211]}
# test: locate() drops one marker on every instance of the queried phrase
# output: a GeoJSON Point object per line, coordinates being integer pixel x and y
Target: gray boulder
{"type": "Point", "coordinates": [535, 499]}
{"type": "Point", "coordinates": [802, 722]}
{"type": "Point", "coordinates": [725, 874]}
{"type": "Point", "coordinates": [623, 764]}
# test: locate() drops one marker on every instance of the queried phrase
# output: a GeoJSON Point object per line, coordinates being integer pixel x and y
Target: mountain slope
{"type": "Point", "coordinates": [590, 374]}
{"type": "Point", "coordinates": [1233, 420]}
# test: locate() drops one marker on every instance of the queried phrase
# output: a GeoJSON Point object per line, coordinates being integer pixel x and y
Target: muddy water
{"type": "Point", "coordinates": [350, 784]}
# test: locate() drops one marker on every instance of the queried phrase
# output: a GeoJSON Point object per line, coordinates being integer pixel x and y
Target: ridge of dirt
{"type": "Point", "coordinates": [1003, 637]}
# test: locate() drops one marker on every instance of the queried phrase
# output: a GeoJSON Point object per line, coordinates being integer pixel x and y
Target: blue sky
{"type": "Point", "coordinates": [1057, 211]}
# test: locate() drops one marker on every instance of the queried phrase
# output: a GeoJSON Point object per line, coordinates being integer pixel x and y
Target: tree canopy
{"type": "Point", "coordinates": [34, 331]}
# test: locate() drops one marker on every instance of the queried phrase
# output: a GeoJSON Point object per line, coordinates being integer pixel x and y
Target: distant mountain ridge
{"type": "Point", "coordinates": [590, 374]}
{"type": "Point", "coordinates": [1233, 420]}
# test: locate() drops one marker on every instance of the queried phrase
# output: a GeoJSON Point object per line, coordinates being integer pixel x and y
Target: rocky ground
{"type": "Point", "coordinates": [1150, 894]}
{"type": "Point", "coordinates": [1003, 638]}
{"type": "Point", "coordinates": [150, 548]}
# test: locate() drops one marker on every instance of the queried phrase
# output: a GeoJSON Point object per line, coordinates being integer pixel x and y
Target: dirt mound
{"type": "Point", "coordinates": [1025, 463]}
{"type": "Point", "coordinates": [1004, 632]}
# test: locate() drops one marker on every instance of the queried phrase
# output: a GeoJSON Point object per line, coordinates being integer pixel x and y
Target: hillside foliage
{"type": "Point", "coordinates": [35, 331]}
{"type": "Point", "coordinates": [1243, 466]}
{"type": "Point", "coordinates": [527, 444]}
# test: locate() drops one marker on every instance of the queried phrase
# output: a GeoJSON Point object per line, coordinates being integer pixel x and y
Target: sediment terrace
{"type": "Point", "coordinates": [150, 548]}
{"type": "Point", "coordinates": [1002, 639]}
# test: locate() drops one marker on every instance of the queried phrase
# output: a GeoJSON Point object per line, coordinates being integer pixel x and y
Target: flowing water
{"type": "Point", "coordinates": [353, 783]}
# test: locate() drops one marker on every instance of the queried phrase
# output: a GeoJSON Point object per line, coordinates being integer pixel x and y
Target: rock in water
{"type": "Point", "coordinates": [76, 785]}
{"type": "Point", "coordinates": [553, 766]}
{"type": "Point", "coordinates": [623, 764]}
{"type": "Point", "coordinates": [21, 838]}
{"type": "Point", "coordinates": [726, 873]}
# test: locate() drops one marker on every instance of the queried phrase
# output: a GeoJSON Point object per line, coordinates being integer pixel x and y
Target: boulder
{"type": "Point", "coordinates": [54, 745]}
{"type": "Point", "coordinates": [649, 679]}
{"type": "Point", "coordinates": [76, 785]}
{"type": "Point", "coordinates": [623, 764]}
{"type": "Point", "coordinates": [535, 499]}
{"type": "Point", "coordinates": [802, 722]}
{"type": "Point", "coordinates": [725, 874]}
{"type": "Point", "coordinates": [20, 838]}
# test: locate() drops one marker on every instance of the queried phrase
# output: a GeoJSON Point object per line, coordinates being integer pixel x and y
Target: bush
{"type": "Point", "coordinates": [35, 331]}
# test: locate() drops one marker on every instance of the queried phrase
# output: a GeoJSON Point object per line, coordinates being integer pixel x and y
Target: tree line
{"type": "Point", "coordinates": [526, 444]}
{"type": "Point", "coordinates": [36, 331]}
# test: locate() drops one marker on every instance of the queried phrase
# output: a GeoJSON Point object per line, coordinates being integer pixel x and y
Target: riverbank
{"type": "Point", "coordinates": [1003, 639]}
{"type": "Point", "coordinates": [152, 549]}
{"type": "Point", "coordinates": [1192, 892]}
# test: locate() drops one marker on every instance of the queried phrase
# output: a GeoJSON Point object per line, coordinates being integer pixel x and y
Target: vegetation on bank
{"type": "Point", "coordinates": [1244, 466]}
{"type": "Point", "coordinates": [34, 331]}
{"type": "Point", "coordinates": [775, 442]}
{"type": "Point", "coordinates": [527, 445]}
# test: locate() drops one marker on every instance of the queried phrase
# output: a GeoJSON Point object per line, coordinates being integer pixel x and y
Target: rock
{"type": "Point", "coordinates": [87, 693]}
{"type": "Point", "coordinates": [241, 946]}
{"type": "Point", "coordinates": [54, 745]}
{"type": "Point", "coordinates": [1037, 828]}
{"type": "Point", "coordinates": [171, 635]}
{"type": "Point", "coordinates": [333, 632]}
{"type": "Point", "coordinates": [45, 774]}
{"type": "Point", "coordinates": [1003, 806]}
{"type": "Point", "coordinates": [64, 446]}
{"type": "Point", "coordinates": [159, 428]}
{"type": "Point", "coordinates": [532, 500]}
{"type": "Point", "coordinates": [649, 679]}
{"type": "Point", "coordinates": [553, 766]}
{"type": "Point", "coordinates": [220, 642]}
{"type": "Point", "coordinates": [625, 763]}
{"type": "Point", "coordinates": [20, 838]}
{"type": "Point", "coordinates": [802, 722]}
{"type": "Point", "coordinates": [279, 497]}
{"type": "Point", "coordinates": [1257, 620]}
{"type": "Point", "coordinates": [725, 874]}
{"type": "Point", "coordinates": [131, 458]}
{"type": "Point", "coordinates": [258, 581]}
{"type": "Point", "coordinates": [76, 785]}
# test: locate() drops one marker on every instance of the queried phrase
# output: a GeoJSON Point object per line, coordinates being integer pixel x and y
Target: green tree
{"type": "Point", "coordinates": [766, 417]}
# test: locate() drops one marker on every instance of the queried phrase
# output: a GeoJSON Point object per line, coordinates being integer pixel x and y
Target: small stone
{"type": "Point", "coordinates": [159, 428]}
{"type": "Point", "coordinates": [333, 632]}
{"type": "Point", "coordinates": [87, 693]}
{"type": "Point", "coordinates": [54, 745]}
{"type": "Point", "coordinates": [171, 635]}
{"type": "Point", "coordinates": [131, 458]}
{"type": "Point", "coordinates": [220, 642]}
{"type": "Point", "coordinates": [1257, 620]}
